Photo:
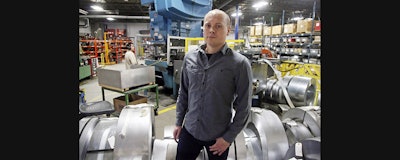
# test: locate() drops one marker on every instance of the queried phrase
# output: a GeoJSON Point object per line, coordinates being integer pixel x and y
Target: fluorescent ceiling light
{"type": "Point", "coordinates": [83, 11]}
{"type": "Point", "coordinates": [99, 1]}
{"type": "Point", "coordinates": [258, 23]}
{"type": "Point", "coordinates": [297, 18]}
{"type": "Point", "coordinates": [97, 8]}
{"type": "Point", "coordinates": [259, 4]}
{"type": "Point", "coordinates": [110, 19]}
{"type": "Point", "coordinates": [234, 14]}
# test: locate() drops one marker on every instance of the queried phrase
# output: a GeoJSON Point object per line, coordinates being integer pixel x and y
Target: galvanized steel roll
{"type": "Point", "coordinates": [308, 115]}
{"type": "Point", "coordinates": [301, 90]}
{"type": "Point", "coordinates": [307, 149]}
{"type": "Point", "coordinates": [100, 148]}
{"type": "Point", "coordinates": [85, 136]}
{"type": "Point", "coordinates": [296, 131]}
{"type": "Point", "coordinates": [271, 137]}
{"type": "Point", "coordinates": [135, 132]}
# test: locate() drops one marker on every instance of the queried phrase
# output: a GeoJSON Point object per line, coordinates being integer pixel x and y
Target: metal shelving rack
{"type": "Point", "coordinates": [303, 45]}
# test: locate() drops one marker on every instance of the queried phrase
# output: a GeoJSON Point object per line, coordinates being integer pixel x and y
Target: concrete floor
{"type": "Point", "coordinates": [166, 111]}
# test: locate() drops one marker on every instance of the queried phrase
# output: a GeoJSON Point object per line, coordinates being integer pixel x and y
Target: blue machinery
{"type": "Point", "coordinates": [170, 22]}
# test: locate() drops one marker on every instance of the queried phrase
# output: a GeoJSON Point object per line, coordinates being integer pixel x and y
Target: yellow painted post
{"type": "Point", "coordinates": [106, 49]}
{"type": "Point", "coordinates": [102, 59]}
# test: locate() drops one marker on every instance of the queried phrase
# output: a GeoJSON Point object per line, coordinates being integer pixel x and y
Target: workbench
{"type": "Point", "coordinates": [134, 90]}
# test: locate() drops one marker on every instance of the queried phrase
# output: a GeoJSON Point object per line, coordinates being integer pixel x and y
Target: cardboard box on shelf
{"type": "Point", "coordinates": [119, 102]}
{"type": "Point", "coordinates": [276, 30]}
{"type": "Point", "coordinates": [258, 30]}
{"type": "Point", "coordinates": [252, 30]}
{"type": "Point", "coordinates": [267, 30]}
{"type": "Point", "coordinates": [289, 28]}
{"type": "Point", "coordinates": [304, 26]}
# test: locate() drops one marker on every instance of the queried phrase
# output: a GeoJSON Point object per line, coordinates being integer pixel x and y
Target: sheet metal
{"type": "Point", "coordinates": [86, 135]}
{"type": "Point", "coordinates": [160, 148]}
{"type": "Point", "coordinates": [83, 122]}
{"type": "Point", "coordinates": [100, 146]}
{"type": "Point", "coordinates": [301, 90]}
{"type": "Point", "coordinates": [241, 149]}
{"type": "Point", "coordinates": [252, 143]}
{"type": "Point", "coordinates": [135, 132]}
{"type": "Point", "coordinates": [296, 131]}
{"type": "Point", "coordinates": [308, 115]}
{"type": "Point", "coordinates": [165, 149]}
{"type": "Point", "coordinates": [310, 149]}
{"type": "Point", "coordinates": [270, 132]}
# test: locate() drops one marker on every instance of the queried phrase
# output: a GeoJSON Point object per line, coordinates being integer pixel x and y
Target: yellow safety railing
{"type": "Point", "coordinates": [196, 41]}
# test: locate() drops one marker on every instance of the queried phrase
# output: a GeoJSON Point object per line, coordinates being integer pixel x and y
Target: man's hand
{"type": "Point", "coordinates": [219, 147]}
{"type": "Point", "coordinates": [177, 131]}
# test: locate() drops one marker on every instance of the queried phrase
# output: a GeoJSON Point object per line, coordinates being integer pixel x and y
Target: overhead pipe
{"type": "Point", "coordinates": [114, 16]}
{"type": "Point", "coordinates": [86, 21]}
{"type": "Point", "coordinates": [226, 3]}
{"type": "Point", "coordinates": [237, 23]}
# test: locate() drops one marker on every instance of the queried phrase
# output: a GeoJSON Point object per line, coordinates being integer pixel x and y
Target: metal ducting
{"type": "Point", "coordinates": [84, 22]}
{"type": "Point", "coordinates": [114, 16]}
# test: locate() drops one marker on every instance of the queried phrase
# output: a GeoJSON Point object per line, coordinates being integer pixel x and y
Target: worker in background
{"type": "Point", "coordinates": [215, 93]}
{"type": "Point", "coordinates": [130, 57]}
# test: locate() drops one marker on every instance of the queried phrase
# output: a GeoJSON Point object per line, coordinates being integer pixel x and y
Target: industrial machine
{"type": "Point", "coordinates": [170, 23]}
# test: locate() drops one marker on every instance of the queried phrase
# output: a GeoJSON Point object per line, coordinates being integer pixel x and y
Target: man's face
{"type": "Point", "coordinates": [215, 30]}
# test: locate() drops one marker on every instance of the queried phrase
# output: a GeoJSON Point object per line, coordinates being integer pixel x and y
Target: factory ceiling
{"type": "Point", "coordinates": [274, 13]}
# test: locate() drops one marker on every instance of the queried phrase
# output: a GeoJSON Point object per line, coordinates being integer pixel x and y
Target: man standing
{"type": "Point", "coordinates": [214, 97]}
{"type": "Point", "coordinates": [130, 57]}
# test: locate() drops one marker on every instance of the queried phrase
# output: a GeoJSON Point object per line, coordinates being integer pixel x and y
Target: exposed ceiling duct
{"type": "Point", "coordinates": [84, 22]}
{"type": "Point", "coordinates": [114, 16]}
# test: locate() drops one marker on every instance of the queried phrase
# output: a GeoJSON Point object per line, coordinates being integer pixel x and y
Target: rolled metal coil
{"type": "Point", "coordinates": [135, 132]}
{"type": "Point", "coordinates": [94, 141]}
{"type": "Point", "coordinates": [308, 115]}
{"type": "Point", "coordinates": [306, 149]}
{"type": "Point", "coordinates": [166, 148]}
{"type": "Point", "coordinates": [301, 90]}
{"type": "Point", "coordinates": [100, 147]}
{"type": "Point", "coordinates": [265, 126]}
{"type": "Point", "coordinates": [86, 135]}
{"type": "Point", "coordinates": [296, 131]}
